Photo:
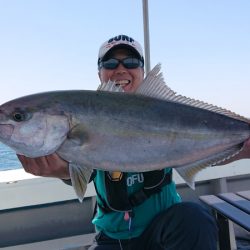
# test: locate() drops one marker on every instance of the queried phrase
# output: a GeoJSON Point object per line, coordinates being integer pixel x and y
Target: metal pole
{"type": "Point", "coordinates": [146, 36]}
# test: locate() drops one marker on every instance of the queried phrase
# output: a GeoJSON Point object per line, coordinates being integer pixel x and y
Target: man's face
{"type": "Point", "coordinates": [129, 79]}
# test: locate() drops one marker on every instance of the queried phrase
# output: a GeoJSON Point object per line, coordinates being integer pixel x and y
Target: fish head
{"type": "Point", "coordinates": [33, 126]}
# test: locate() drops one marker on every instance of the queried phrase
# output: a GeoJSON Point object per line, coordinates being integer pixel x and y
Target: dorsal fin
{"type": "Point", "coordinates": [110, 86]}
{"type": "Point", "coordinates": [155, 86]}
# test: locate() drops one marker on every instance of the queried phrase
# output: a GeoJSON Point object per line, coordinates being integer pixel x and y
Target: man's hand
{"type": "Point", "coordinates": [243, 154]}
{"type": "Point", "coordinates": [46, 166]}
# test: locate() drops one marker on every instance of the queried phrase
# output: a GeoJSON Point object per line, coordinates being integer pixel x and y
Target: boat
{"type": "Point", "coordinates": [41, 213]}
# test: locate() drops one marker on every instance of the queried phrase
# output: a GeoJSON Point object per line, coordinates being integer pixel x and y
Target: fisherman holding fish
{"type": "Point", "coordinates": [136, 210]}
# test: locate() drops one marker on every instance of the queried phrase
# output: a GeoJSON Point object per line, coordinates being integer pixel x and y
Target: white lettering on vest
{"type": "Point", "coordinates": [131, 180]}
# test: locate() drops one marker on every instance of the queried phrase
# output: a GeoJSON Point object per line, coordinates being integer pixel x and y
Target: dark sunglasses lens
{"type": "Point", "coordinates": [110, 64]}
{"type": "Point", "coordinates": [131, 63]}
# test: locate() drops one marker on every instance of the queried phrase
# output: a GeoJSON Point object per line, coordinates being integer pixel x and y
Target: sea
{"type": "Point", "coordinates": [8, 159]}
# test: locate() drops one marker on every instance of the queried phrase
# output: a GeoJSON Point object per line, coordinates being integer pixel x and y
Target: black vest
{"type": "Point", "coordinates": [118, 198]}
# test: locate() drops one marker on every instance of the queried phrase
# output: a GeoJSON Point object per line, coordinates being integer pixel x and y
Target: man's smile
{"type": "Point", "coordinates": [122, 83]}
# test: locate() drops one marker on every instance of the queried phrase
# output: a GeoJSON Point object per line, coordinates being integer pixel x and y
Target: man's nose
{"type": "Point", "coordinates": [121, 68]}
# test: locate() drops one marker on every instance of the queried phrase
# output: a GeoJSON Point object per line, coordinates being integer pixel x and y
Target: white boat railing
{"type": "Point", "coordinates": [18, 188]}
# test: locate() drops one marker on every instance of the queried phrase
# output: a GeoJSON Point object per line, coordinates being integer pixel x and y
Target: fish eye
{"type": "Point", "coordinates": [19, 116]}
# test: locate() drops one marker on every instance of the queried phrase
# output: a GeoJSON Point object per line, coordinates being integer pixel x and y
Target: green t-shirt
{"type": "Point", "coordinates": [115, 226]}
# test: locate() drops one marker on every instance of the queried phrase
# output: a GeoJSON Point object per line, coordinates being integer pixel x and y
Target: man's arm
{"type": "Point", "coordinates": [49, 166]}
{"type": "Point", "coordinates": [46, 166]}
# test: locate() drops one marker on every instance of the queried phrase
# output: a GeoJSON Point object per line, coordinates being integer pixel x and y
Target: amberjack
{"type": "Point", "coordinates": [107, 129]}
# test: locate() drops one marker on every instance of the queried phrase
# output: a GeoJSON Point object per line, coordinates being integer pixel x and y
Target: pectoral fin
{"type": "Point", "coordinates": [80, 177]}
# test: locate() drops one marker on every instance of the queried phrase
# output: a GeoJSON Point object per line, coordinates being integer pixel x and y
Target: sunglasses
{"type": "Point", "coordinates": [128, 63]}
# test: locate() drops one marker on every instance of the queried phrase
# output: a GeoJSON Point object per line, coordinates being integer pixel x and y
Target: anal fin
{"type": "Point", "coordinates": [188, 172]}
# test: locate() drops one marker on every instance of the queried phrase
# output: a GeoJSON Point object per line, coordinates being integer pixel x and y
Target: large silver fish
{"type": "Point", "coordinates": [151, 129]}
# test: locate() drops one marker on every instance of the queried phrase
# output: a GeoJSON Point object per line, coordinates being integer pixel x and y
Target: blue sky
{"type": "Point", "coordinates": [203, 46]}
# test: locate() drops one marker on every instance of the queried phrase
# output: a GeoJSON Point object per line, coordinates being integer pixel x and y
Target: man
{"type": "Point", "coordinates": [136, 210]}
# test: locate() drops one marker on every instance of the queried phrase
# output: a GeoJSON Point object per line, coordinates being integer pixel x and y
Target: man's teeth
{"type": "Point", "coordinates": [122, 83]}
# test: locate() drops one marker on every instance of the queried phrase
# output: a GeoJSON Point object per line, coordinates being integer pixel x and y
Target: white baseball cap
{"type": "Point", "coordinates": [120, 41]}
